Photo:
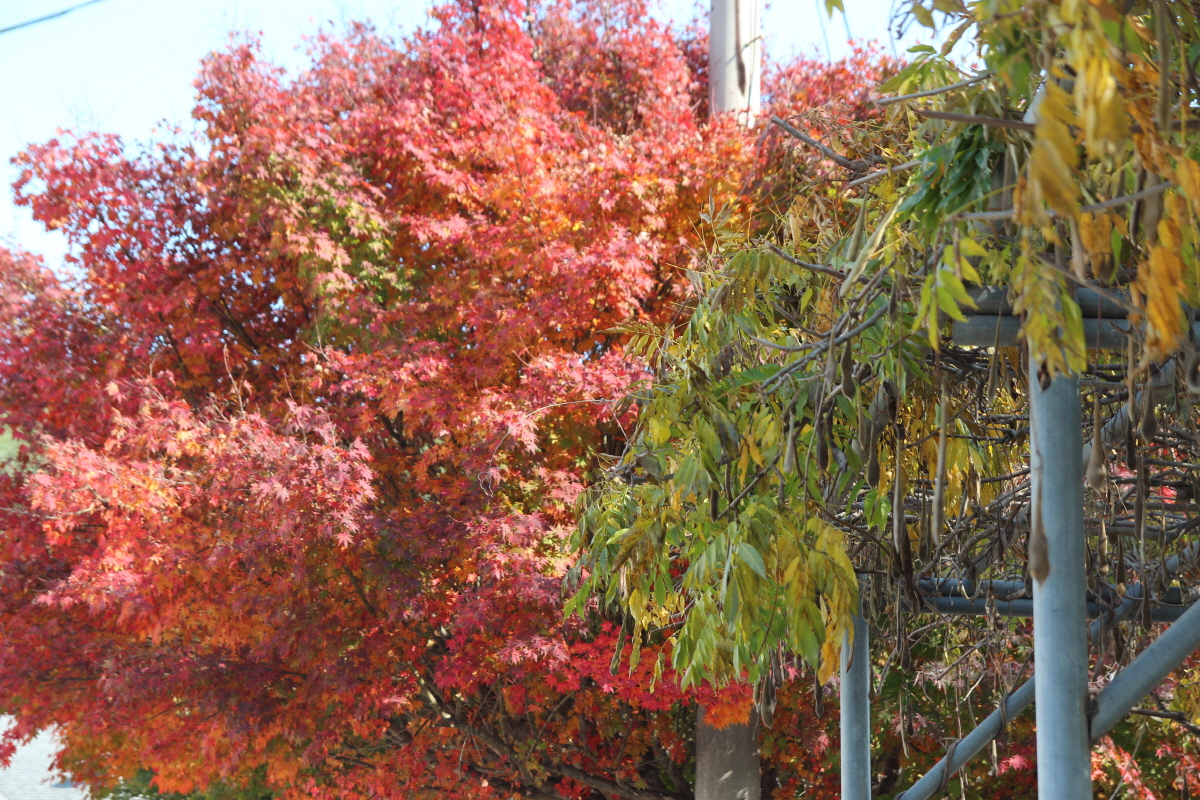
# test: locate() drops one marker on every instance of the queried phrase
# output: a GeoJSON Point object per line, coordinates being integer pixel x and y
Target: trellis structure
{"type": "Point", "coordinates": [796, 434]}
{"type": "Point", "coordinates": [1068, 721]}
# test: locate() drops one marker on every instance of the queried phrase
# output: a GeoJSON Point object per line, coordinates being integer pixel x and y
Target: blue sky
{"type": "Point", "coordinates": [124, 66]}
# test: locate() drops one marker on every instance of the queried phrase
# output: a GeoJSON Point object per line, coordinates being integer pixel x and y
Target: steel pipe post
{"type": "Point", "coordinates": [856, 709]}
{"type": "Point", "coordinates": [1147, 671]}
{"type": "Point", "coordinates": [1059, 601]}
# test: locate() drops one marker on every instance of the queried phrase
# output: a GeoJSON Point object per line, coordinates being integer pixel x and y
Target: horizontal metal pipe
{"type": "Point", "coordinates": [953, 587]}
{"type": "Point", "coordinates": [964, 607]}
{"type": "Point", "coordinates": [1015, 589]}
{"type": "Point", "coordinates": [986, 331]}
{"type": "Point", "coordinates": [993, 301]}
{"type": "Point", "coordinates": [1145, 672]}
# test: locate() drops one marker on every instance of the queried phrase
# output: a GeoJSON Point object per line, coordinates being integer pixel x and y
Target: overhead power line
{"type": "Point", "coordinates": [55, 15]}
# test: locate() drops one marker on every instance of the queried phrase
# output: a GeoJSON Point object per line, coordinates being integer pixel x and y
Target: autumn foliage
{"type": "Point", "coordinates": [303, 420]}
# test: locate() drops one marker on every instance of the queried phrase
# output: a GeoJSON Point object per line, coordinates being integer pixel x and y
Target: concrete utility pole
{"type": "Point", "coordinates": [735, 57]}
{"type": "Point", "coordinates": [1059, 601]}
{"type": "Point", "coordinates": [727, 760]}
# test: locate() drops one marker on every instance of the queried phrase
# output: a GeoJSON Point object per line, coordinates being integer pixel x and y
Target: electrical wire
{"type": "Point", "coordinates": [55, 15]}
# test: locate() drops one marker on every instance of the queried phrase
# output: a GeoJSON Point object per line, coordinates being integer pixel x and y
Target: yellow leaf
{"type": "Point", "coordinates": [1052, 162]}
{"type": "Point", "coordinates": [1160, 281]}
{"type": "Point", "coordinates": [1095, 233]}
{"type": "Point", "coordinates": [1098, 97]}
{"type": "Point", "coordinates": [1187, 174]}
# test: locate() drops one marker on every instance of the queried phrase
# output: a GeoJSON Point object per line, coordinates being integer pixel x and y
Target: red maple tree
{"type": "Point", "coordinates": [300, 444]}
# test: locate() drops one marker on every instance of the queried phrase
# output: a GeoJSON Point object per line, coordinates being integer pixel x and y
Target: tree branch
{"type": "Point", "coordinates": [887, 101]}
{"type": "Point", "coordinates": [883, 173]}
{"type": "Point", "coordinates": [837, 158]}
{"type": "Point", "coordinates": [814, 267]}
{"type": "Point", "coordinates": [976, 119]}
{"type": "Point", "coordinates": [1009, 213]}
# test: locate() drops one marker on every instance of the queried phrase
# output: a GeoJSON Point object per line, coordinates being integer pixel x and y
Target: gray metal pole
{"type": "Point", "coordinates": [856, 710]}
{"type": "Point", "coordinates": [1147, 671]}
{"type": "Point", "coordinates": [1059, 611]}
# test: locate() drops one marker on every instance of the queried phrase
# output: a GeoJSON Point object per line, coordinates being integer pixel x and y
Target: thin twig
{"type": "Point", "coordinates": [976, 119]}
{"type": "Point", "coordinates": [1009, 213]}
{"type": "Point", "coordinates": [883, 173]}
{"type": "Point", "coordinates": [887, 101]}
{"type": "Point", "coordinates": [814, 267]}
{"type": "Point", "coordinates": [828, 152]}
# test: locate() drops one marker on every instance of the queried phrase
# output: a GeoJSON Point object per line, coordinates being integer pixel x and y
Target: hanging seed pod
{"type": "Point", "coordinates": [993, 378]}
{"type": "Point", "coordinates": [925, 537]}
{"type": "Point", "coordinates": [1130, 449]}
{"type": "Point", "coordinates": [1191, 372]}
{"type": "Point", "coordinates": [821, 433]}
{"type": "Point", "coordinates": [873, 463]}
{"type": "Point", "coordinates": [622, 635]}
{"type": "Point", "coordinates": [849, 387]}
{"type": "Point", "coordinates": [1039, 548]}
{"type": "Point", "coordinates": [789, 447]}
{"type": "Point", "coordinates": [1149, 426]}
{"type": "Point", "coordinates": [1121, 564]}
{"type": "Point", "coordinates": [1102, 549]}
{"type": "Point", "coordinates": [1097, 468]}
{"type": "Point", "coordinates": [1043, 377]}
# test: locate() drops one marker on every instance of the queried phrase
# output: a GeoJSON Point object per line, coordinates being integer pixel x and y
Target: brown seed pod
{"type": "Point", "coordinates": [789, 448]}
{"type": "Point", "coordinates": [1149, 426]}
{"type": "Point", "coordinates": [1102, 549]}
{"type": "Point", "coordinates": [1039, 552]}
{"type": "Point", "coordinates": [1097, 467]}
{"type": "Point", "coordinates": [1039, 547]}
{"type": "Point", "coordinates": [1043, 376]}
{"type": "Point", "coordinates": [821, 433]}
{"type": "Point", "coordinates": [1130, 449]}
{"type": "Point", "coordinates": [1191, 372]}
{"type": "Point", "coordinates": [1121, 578]}
{"type": "Point", "coordinates": [849, 388]}
{"type": "Point", "coordinates": [873, 464]}
{"type": "Point", "coordinates": [925, 535]}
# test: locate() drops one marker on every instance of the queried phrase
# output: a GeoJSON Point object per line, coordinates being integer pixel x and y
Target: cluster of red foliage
{"type": "Point", "coordinates": [299, 446]}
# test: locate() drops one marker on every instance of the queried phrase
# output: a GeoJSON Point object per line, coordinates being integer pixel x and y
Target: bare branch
{"type": "Point", "coordinates": [883, 173]}
{"type": "Point", "coordinates": [976, 119]}
{"type": "Point", "coordinates": [887, 101]}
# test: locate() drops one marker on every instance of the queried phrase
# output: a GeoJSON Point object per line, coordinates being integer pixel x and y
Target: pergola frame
{"type": "Point", "coordinates": [1067, 723]}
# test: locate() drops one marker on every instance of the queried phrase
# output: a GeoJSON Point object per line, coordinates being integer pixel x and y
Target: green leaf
{"type": "Point", "coordinates": [752, 558]}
